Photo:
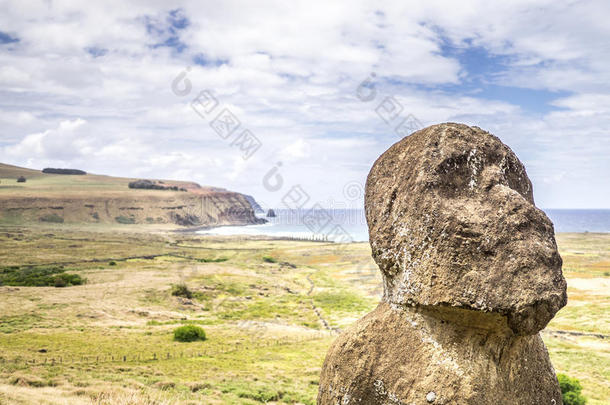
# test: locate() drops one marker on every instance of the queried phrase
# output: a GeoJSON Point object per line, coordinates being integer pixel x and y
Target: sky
{"type": "Point", "coordinates": [294, 101]}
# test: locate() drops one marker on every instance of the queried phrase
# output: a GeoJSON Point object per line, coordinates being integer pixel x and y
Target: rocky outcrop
{"type": "Point", "coordinates": [185, 209]}
{"type": "Point", "coordinates": [471, 274]}
{"type": "Point", "coordinates": [104, 199]}
{"type": "Point", "coordinates": [255, 206]}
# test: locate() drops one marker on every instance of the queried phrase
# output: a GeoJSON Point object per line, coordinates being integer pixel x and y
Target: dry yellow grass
{"type": "Point", "coordinates": [265, 341]}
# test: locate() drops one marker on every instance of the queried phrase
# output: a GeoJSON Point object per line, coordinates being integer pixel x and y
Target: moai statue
{"type": "Point", "coordinates": [471, 274]}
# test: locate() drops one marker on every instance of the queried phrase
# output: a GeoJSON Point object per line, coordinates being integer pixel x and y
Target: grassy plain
{"type": "Point", "coordinates": [268, 322]}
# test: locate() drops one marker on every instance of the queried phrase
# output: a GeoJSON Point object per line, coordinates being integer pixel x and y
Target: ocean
{"type": "Point", "coordinates": [349, 225]}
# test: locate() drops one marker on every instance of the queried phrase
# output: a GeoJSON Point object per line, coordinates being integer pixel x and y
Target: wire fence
{"type": "Point", "coordinates": [152, 356]}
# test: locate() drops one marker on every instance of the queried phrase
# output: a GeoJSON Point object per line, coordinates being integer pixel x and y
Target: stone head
{"type": "Point", "coordinates": [452, 223]}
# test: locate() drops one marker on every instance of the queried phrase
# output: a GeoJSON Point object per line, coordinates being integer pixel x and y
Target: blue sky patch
{"type": "Point", "coordinates": [202, 59]}
{"type": "Point", "coordinates": [177, 20]}
{"type": "Point", "coordinates": [7, 38]}
{"type": "Point", "coordinates": [167, 32]}
{"type": "Point", "coordinates": [96, 51]}
{"type": "Point", "coordinates": [482, 75]}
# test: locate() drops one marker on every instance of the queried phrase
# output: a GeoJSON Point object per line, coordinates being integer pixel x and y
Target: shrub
{"type": "Point", "coordinates": [21, 179]}
{"type": "Point", "coordinates": [112, 263]}
{"type": "Point", "coordinates": [181, 290]}
{"type": "Point", "coordinates": [153, 185]}
{"type": "Point", "coordinates": [38, 277]}
{"type": "Point", "coordinates": [125, 220]}
{"type": "Point", "coordinates": [189, 333]}
{"type": "Point", "coordinates": [26, 380]}
{"type": "Point", "coordinates": [165, 385]}
{"type": "Point", "coordinates": [51, 170]}
{"type": "Point", "coordinates": [215, 260]}
{"type": "Point", "coordinates": [59, 282]}
{"type": "Point", "coordinates": [194, 387]}
{"type": "Point", "coordinates": [66, 279]}
{"type": "Point", "coordinates": [570, 390]}
{"type": "Point", "coordinates": [269, 259]}
{"type": "Point", "coordinates": [52, 218]}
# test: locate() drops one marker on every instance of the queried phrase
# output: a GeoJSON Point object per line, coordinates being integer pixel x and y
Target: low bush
{"type": "Point", "coordinates": [570, 390]}
{"type": "Point", "coordinates": [52, 218]}
{"type": "Point", "coordinates": [269, 259]}
{"type": "Point", "coordinates": [51, 170]}
{"type": "Point", "coordinates": [189, 333]}
{"type": "Point", "coordinates": [153, 185]}
{"type": "Point", "coordinates": [112, 263]}
{"type": "Point", "coordinates": [53, 276]}
{"type": "Point", "coordinates": [21, 179]}
{"type": "Point", "coordinates": [26, 380]}
{"type": "Point", "coordinates": [181, 290]}
{"type": "Point", "coordinates": [215, 260]}
{"type": "Point", "coordinates": [165, 385]}
{"type": "Point", "coordinates": [125, 220]}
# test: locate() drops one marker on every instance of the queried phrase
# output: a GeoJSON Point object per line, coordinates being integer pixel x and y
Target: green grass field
{"type": "Point", "coordinates": [269, 308]}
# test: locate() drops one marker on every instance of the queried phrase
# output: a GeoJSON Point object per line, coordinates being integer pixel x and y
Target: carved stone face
{"type": "Point", "coordinates": [452, 222]}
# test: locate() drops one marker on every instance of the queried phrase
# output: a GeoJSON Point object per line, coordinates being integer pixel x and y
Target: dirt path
{"type": "Point", "coordinates": [317, 310]}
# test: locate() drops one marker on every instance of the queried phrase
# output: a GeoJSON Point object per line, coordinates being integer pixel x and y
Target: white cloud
{"type": "Point", "coordinates": [289, 71]}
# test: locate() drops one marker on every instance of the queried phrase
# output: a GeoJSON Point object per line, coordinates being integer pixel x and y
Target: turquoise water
{"type": "Point", "coordinates": [338, 225]}
{"type": "Point", "coordinates": [349, 225]}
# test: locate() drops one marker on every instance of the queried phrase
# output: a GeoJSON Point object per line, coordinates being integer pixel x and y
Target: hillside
{"type": "Point", "coordinates": [92, 198]}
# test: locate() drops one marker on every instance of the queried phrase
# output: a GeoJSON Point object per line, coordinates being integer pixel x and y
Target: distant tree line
{"type": "Point", "coordinates": [151, 185]}
{"type": "Point", "coordinates": [51, 170]}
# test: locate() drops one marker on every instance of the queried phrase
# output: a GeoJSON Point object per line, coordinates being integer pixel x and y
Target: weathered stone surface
{"type": "Point", "coordinates": [398, 356]}
{"type": "Point", "coordinates": [471, 273]}
{"type": "Point", "coordinates": [452, 221]}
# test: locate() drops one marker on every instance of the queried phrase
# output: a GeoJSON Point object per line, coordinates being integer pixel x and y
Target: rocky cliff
{"type": "Point", "coordinates": [104, 199]}
{"type": "Point", "coordinates": [255, 205]}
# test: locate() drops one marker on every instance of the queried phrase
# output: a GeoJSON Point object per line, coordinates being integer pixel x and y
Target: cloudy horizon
{"type": "Point", "coordinates": [149, 90]}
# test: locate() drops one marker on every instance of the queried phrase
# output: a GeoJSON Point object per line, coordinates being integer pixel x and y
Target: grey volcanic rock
{"type": "Point", "coordinates": [471, 274]}
{"type": "Point", "coordinates": [255, 206]}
